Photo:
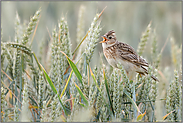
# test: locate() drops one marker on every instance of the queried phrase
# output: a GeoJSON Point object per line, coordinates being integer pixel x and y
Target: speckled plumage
{"type": "Point", "coordinates": [118, 52]}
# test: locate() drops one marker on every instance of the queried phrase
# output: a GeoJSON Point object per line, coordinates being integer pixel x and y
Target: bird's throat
{"type": "Point", "coordinates": [107, 44]}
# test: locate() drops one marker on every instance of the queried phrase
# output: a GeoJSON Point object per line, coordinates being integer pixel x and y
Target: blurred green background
{"type": "Point", "coordinates": [128, 19]}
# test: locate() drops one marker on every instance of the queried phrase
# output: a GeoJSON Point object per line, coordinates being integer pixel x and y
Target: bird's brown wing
{"type": "Point", "coordinates": [128, 53]}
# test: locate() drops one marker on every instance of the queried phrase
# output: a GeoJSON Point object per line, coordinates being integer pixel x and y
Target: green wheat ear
{"type": "Point", "coordinates": [20, 47]}
{"type": "Point", "coordinates": [100, 102]}
{"type": "Point", "coordinates": [173, 98]}
{"type": "Point", "coordinates": [26, 50]}
{"type": "Point", "coordinates": [41, 90]}
{"type": "Point", "coordinates": [144, 39]}
{"type": "Point", "coordinates": [115, 92]}
{"type": "Point", "coordinates": [176, 53]}
{"type": "Point", "coordinates": [41, 48]}
{"type": "Point", "coordinates": [17, 28]}
{"type": "Point", "coordinates": [4, 104]}
{"type": "Point", "coordinates": [92, 38]}
{"type": "Point", "coordinates": [54, 109]}
{"type": "Point", "coordinates": [125, 78]}
{"type": "Point", "coordinates": [154, 89]}
{"type": "Point", "coordinates": [54, 56]}
{"type": "Point", "coordinates": [16, 112]}
{"type": "Point", "coordinates": [25, 114]}
{"type": "Point", "coordinates": [44, 113]}
{"type": "Point", "coordinates": [154, 45]}
{"type": "Point", "coordinates": [30, 27]}
{"type": "Point", "coordinates": [93, 88]}
{"type": "Point", "coordinates": [6, 52]}
{"type": "Point", "coordinates": [66, 40]}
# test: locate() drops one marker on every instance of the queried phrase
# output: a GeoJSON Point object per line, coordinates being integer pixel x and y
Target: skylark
{"type": "Point", "coordinates": [117, 52]}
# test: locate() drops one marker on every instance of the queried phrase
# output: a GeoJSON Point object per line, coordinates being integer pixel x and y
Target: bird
{"type": "Point", "coordinates": [117, 52]}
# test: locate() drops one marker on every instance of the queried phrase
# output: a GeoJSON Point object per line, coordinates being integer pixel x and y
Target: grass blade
{"type": "Point", "coordinates": [53, 88]}
{"type": "Point", "coordinates": [74, 68]}
{"type": "Point", "coordinates": [168, 114]}
{"type": "Point", "coordinates": [107, 89]}
{"type": "Point", "coordinates": [62, 105]}
{"type": "Point", "coordinates": [10, 91]}
{"type": "Point", "coordinates": [140, 116]}
{"type": "Point", "coordinates": [133, 103]}
{"type": "Point", "coordinates": [86, 34]}
{"type": "Point", "coordinates": [66, 84]}
{"type": "Point", "coordinates": [82, 105]}
{"type": "Point", "coordinates": [39, 65]}
{"type": "Point", "coordinates": [7, 75]}
{"type": "Point", "coordinates": [49, 81]}
{"type": "Point", "coordinates": [35, 31]}
{"type": "Point", "coordinates": [100, 90]}
{"type": "Point", "coordinates": [82, 95]}
{"type": "Point", "coordinates": [11, 84]}
{"type": "Point", "coordinates": [94, 80]}
{"type": "Point", "coordinates": [63, 118]}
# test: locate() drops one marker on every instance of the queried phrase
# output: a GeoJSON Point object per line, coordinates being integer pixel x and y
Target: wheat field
{"type": "Point", "coordinates": [53, 68]}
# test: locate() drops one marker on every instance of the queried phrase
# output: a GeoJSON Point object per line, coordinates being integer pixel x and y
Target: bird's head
{"type": "Point", "coordinates": [109, 37]}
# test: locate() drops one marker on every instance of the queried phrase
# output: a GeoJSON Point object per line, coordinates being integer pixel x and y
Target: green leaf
{"type": "Point", "coordinates": [53, 88]}
{"type": "Point", "coordinates": [82, 105]}
{"type": "Point", "coordinates": [66, 84]}
{"type": "Point", "coordinates": [133, 103]}
{"type": "Point", "coordinates": [37, 61]}
{"type": "Point", "coordinates": [7, 75]}
{"type": "Point", "coordinates": [95, 80]}
{"type": "Point", "coordinates": [168, 114]}
{"type": "Point", "coordinates": [82, 95]}
{"type": "Point", "coordinates": [99, 89]}
{"type": "Point", "coordinates": [11, 84]}
{"type": "Point", "coordinates": [107, 89]}
{"type": "Point", "coordinates": [80, 42]}
{"type": "Point", "coordinates": [74, 68]}
{"type": "Point", "coordinates": [49, 81]}
{"type": "Point", "coordinates": [140, 116]}
{"type": "Point", "coordinates": [62, 105]}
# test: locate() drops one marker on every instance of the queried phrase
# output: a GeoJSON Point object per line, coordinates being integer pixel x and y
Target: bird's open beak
{"type": "Point", "coordinates": [105, 39]}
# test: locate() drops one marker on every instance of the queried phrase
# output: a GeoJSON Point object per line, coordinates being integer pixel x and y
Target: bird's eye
{"type": "Point", "coordinates": [110, 37]}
